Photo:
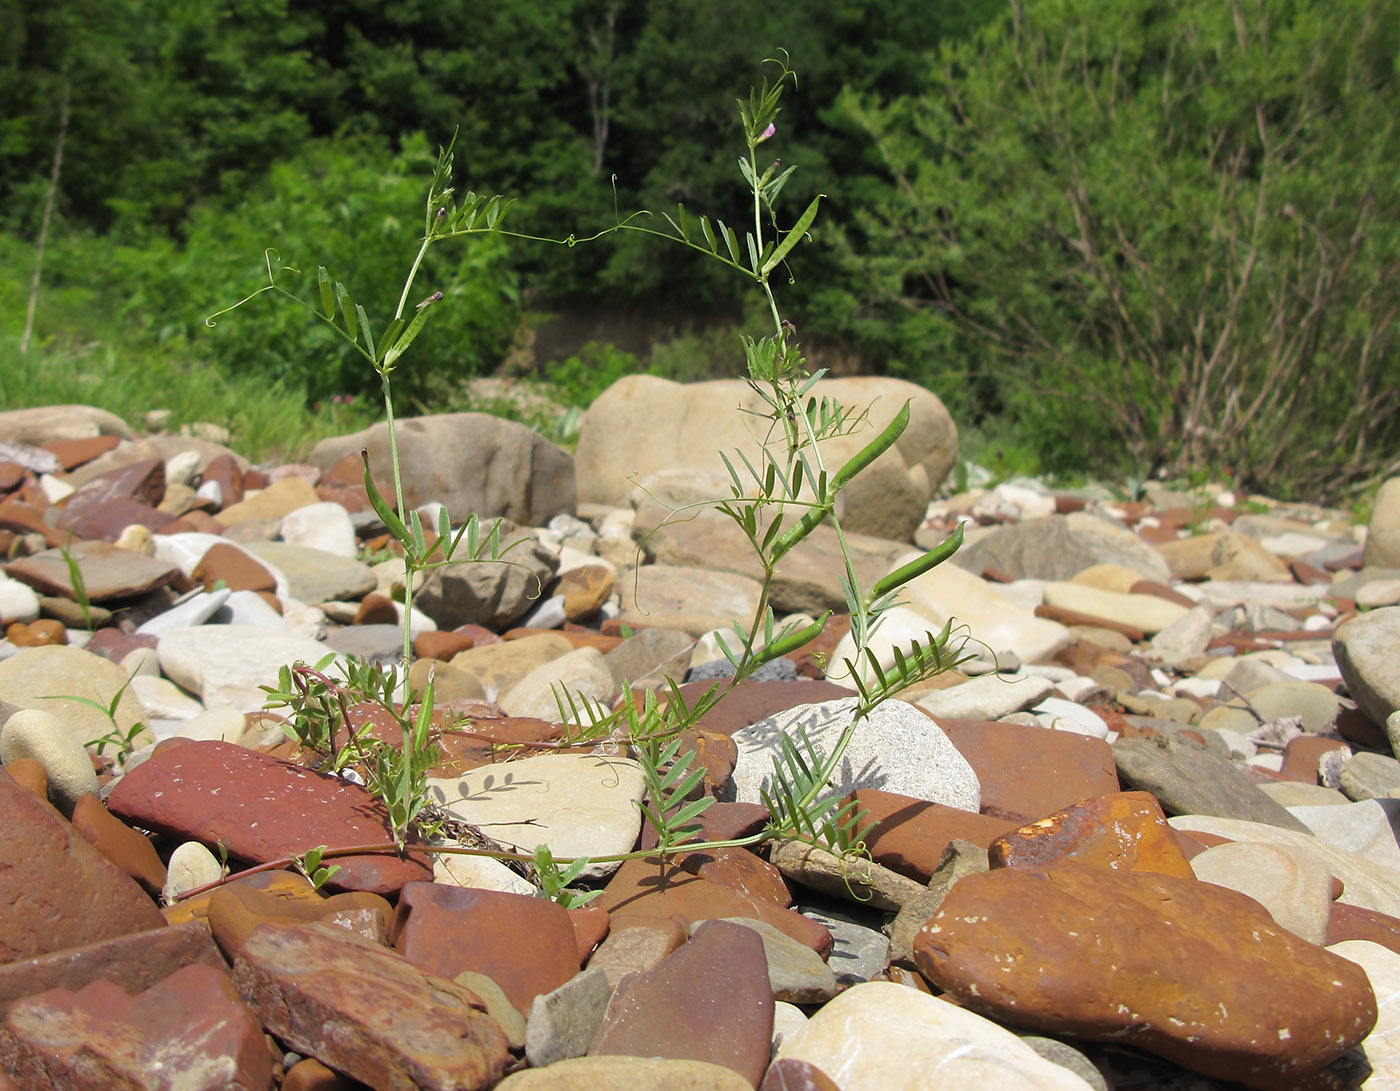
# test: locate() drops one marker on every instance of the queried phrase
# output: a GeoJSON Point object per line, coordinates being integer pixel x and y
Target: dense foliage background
{"type": "Point", "coordinates": [1114, 235]}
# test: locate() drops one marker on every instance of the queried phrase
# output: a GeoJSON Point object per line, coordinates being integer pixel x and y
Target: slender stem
{"type": "Point", "coordinates": [412, 275]}
{"type": "Point", "coordinates": [44, 227]}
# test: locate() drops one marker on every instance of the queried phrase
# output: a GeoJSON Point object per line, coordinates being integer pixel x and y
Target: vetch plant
{"type": "Point", "coordinates": [780, 494]}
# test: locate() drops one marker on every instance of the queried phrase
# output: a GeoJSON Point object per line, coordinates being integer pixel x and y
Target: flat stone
{"type": "Point", "coordinates": [1293, 884]}
{"type": "Point", "coordinates": [581, 674]}
{"type": "Point", "coordinates": [192, 1023]}
{"type": "Point", "coordinates": [880, 1036]}
{"type": "Point", "coordinates": [896, 748]}
{"type": "Point", "coordinates": [1188, 779]}
{"type": "Point", "coordinates": [693, 600]}
{"type": "Point", "coordinates": [526, 945]}
{"type": "Point", "coordinates": [1222, 556]}
{"type": "Point", "coordinates": [859, 952]}
{"type": "Point", "coordinates": [1125, 831]}
{"type": "Point", "coordinates": [989, 697]}
{"type": "Point", "coordinates": [850, 878]}
{"type": "Point", "coordinates": [497, 667]}
{"type": "Point", "coordinates": [237, 908]}
{"type": "Point", "coordinates": [796, 973]}
{"type": "Point", "coordinates": [709, 1001]}
{"type": "Point", "coordinates": [368, 1012]}
{"type": "Point", "coordinates": [1028, 772]}
{"type": "Point", "coordinates": [564, 1022]}
{"type": "Point", "coordinates": [314, 575]}
{"type": "Point", "coordinates": [262, 809]}
{"type": "Point", "coordinates": [909, 835]}
{"type": "Point", "coordinates": [626, 1074]}
{"type": "Point", "coordinates": [577, 804]}
{"type": "Point", "coordinates": [1146, 612]}
{"type": "Point", "coordinates": [226, 664]}
{"type": "Point", "coordinates": [52, 678]}
{"type": "Point", "coordinates": [107, 572]}
{"type": "Point", "coordinates": [195, 610]}
{"type": "Point", "coordinates": [46, 908]}
{"type": "Point", "coordinates": [1255, 1004]}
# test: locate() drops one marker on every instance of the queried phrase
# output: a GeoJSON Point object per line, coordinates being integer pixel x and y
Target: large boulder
{"type": "Point", "coordinates": [1383, 532]}
{"type": "Point", "coordinates": [471, 462]}
{"type": "Point", "coordinates": [42, 423]}
{"type": "Point", "coordinates": [642, 424]}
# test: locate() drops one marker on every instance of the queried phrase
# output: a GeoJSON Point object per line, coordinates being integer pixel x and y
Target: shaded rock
{"type": "Point", "coordinates": [643, 423]}
{"type": "Point", "coordinates": [1059, 547]}
{"type": "Point", "coordinates": [468, 462]}
{"type": "Point", "coordinates": [46, 908]}
{"type": "Point", "coordinates": [107, 572]}
{"type": "Point", "coordinates": [525, 945]}
{"type": "Point", "coordinates": [237, 908]}
{"type": "Point", "coordinates": [262, 809]}
{"type": "Point", "coordinates": [563, 1023]}
{"type": "Point", "coordinates": [858, 952]}
{"type": "Point", "coordinates": [192, 1023]}
{"type": "Point", "coordinates": [494, 594]}
{"type": "Point", "coordinates": [1254, 1004]}
{"type": "Point", "coordinates": [1186, 778]}
{"type": "Point", "coordinates": [709, 1001]}
{"type": "Point", "coordinates": [367, 1012]}
{"type": "Point", "coordinates": [880, 1036]}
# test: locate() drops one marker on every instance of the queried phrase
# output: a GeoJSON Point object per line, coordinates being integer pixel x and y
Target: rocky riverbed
{"type": "Point", "coordinates": [1145, 837]}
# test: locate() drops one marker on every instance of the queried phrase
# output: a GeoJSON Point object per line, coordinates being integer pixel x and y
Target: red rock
{"type": "Point", "coordinates": [460, 750]}
{"type": "Point", "coordinates": [104, 520]}
{"type": "Point", "coordinates": [24, 518]}
{"type": "Point", "coordinates": [909, 835]}
{"type": "Point", "coordinates": [753, 701]}
{"type": "Point", "coordinates": [636, 943]}
{"type": "Point", "coordinates": [1192, 972]}
{"type": "Point", "coordinates": [352, 499]}
{"type": "Point", "coordinates": [481, 636]}
{"type": "Point", "coordinates": [309, 1074]}
{"type": "Point", "coordinates": [1126, 831]}
{"type": "Point", "coordinates": [1355, 922]}
{"type": "Point", "coordinates": [718, 822]}
{"type": "Point", "coordinates": [113, 644]}
{"type": "Point", "coordinates": [224, 470]}
{"type": "Point", "coordinates": [36, 634]}
{"type": "Point", "coordinates": [117, 841]}
{"type": "Point", "coordinates": [709, 1001]}
{"type": "Point", "coordinates": [590, 926]}
{"type": "Point", "coordinates": [236, 909]}
{"type": "Point", "coordinates": [367, 1012]}
{"type": "Point", "coordinates": [437, 644]}
{"type": "Point", "coordinates": [195, 520]}
{"type": "Point", "coordinates": [101, 1037]}
{"type": "Point", "coordinates": [1300, 756]}
{"type": "Point", "coordinates": [236, 568]}
{"type": "Point", "coordinates": [1028, 772]}
{"type": "Point", "coordinates": [136, 962]}
{"type": "Point", "coordinates": [526, 945]}
{"type": "Point", "coordinates": [790, 1074]}
{"type": "Point", "coordinates": [263, 809]}
{"type": "Point", "coordinates": [11, 474]}
{"type": "Point", "coordinates": [57, 890]}
{"type": "Point", "coordinates": [376, 609]}
{"type": "Point", "coordinates": [72, 453]}
{"type": "Point", "coordinates": [254, 479]}
{"type": "Point", "coordinates": [638, 889]}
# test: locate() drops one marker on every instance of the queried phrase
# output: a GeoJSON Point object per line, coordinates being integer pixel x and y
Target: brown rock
{"type": "Point", "coordinates": [102, 1038]}
{"type": "Point", "coordinates": [309, 1074]}
{"type": "Point", "coordinates": [104, 520]}
{"type": "Point", "coordinates": [753, 701]}
{"type": "Point", "coordinates": [1356, 922]}
{"type": "Point", "coordinates": [1069, 951]}
{"type": "Point", "coordinates": [136, 962]}
{"type": "Point", "coordinates": [909, 835]}
{"type": "Point", "coordinates": [122, 845]}
{"type": "Point", "coordinates": [278, 500]}
{"type": "Point", "coordinates": [107, 572]}
{"type": "Point", "coordinates": [1066, 616]}
{"type": "Point", "coordinates": [790, 1074]}
{"type": "Point", "coordinates": [1126, 831]}
{"type": "Point", "coordinates": [591, 924]}
{"type": "Point", "coordinates": [526, 945]}
{"type": "Point", "coordinates": [236, 568]}
{"type": "Point", "coordinates": [1301, 755]}
{"type": "Point", "coordinates": [367, 1012]}
{"type": "Point", "coordinates": [709, 1001]}
{"type": "Point", "coordinates": [112, 643]}
{"type": "Point", "coordinates": [196, 520]}
{"type": "Point", "coordinates": [72, 453]}
{"type": "Point", "coordinates": [46, 905]}
{"type": "Point", "coordinates": [585, 589]}
{"type": "Point", "coordinates": [281, 884]}
{"type": "Point", "coordinates": [263, 809]}
{"type": "Point", "coordinates": [36, 634]}
{"type": "Point", "coordinates": [29, 774]}
{"type": "Point", "coordinates": [638, 888]}
{"type": "Point", "coordinates": [237, 908]}
{"type": "Point", "coordinates": [436, 644]}
{"type": "Point", "coordinates": [224, 469]}
{"type": "Point", "coordinates": [23, 518]}
{"type": "Point", "coordinates": [1028, 772]}
{"type": "Point", "coordinates": [376, 609]}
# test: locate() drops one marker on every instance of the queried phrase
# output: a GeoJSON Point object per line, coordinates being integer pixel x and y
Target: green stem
{"type": "Point", "coordinates": [412, 275]}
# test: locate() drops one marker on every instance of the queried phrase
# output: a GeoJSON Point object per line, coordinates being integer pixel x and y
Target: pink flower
{"type": "Point", "coordinates": [767, 133]}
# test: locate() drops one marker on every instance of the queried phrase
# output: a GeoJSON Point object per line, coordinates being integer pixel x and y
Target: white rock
{"type": "Point", "coordinates": [225, 664]}
{"type": "Point", "coordinates": [987, 698]}
{"type": "Point", "coordinates": [1367, 828]}
{"type": "Point", "coordinates": [900, 628]}
{"type": "Point", "coordinates": [33, 733]}
{"type": "Point", "coordinates": [195, 610]}
{"type": "Point", "coordinates": [325, 526]}
{"type": "Point", "coordinates": [896, 749]}
{"type": "Point", "coordinates": [577, 804]}
{"type": "Point", "coordinates": [18, 601]}
{"type": "Point", "coordinates": [1291, 882]}
{"type": "Point", "coordinates": [484, 872]}
{"type": "Point", "coordinates": [1382, 1045]}
{"type": "Point", "coordinates": [212, 725]}
{"type": "Point", "coordinates": [581, 673]}
{"type": "Point", "coordinates": [879, 1036]}
{"type": "Point", "coordinates": [191, 865]}
{"type": "Point", "coordinates": [142, 661]}
{"type": "Point", "coordinates": [1146, 612]}
{"type": "Point", "coordinates": [181, 467]}
{"type": "Point", "coordinates": [212, 492]}
{"type": "Point", "coordinates": [55, 491]}
{"type": "Point", "coordinates": [549, 614]}
{"type": "Point", "coordinates": [163, 699]}
{"type": "Point", "coordinates": [1085, 721]}
{"type": "Point", "coordinates": [250, 608]}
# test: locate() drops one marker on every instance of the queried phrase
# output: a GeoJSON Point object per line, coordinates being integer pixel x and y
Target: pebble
{"type": "Point", "coordinates": [1197, 657]}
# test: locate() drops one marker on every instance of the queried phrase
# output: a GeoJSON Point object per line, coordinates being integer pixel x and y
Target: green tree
{"type": "Point", "coordinates": [1160, 234]}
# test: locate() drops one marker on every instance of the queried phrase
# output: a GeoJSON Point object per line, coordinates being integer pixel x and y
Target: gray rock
{"type": "Point", "coordinates": [313, 575]}
{"type": "Point", "coordinates": [858, 952]}
{"type": "Point", "coordinates": [1059, 547]}
{"type": "Point", "coordinates": [649, 656]}
{"type": "Point", "coordinates": [1066, 1056]}
{"type": "Point", "coordinates": [896, 748]}
{"type": "Point", "coordinates": [796, 972]}
{"type": "Point", "coordinates": [1370, 776]}
{"type": "Point", "coordinates": [960, 858]}
{"type": "Point", "coordinates": [1364, 648]}
{"type": "Point", "coordinates": [1188, 779]}
{"type": "Point", "coordinates": [1185, 639]}
{"type": "Point", "coordinates": [495, 594]}
{"type": "Point", "coordinates": [692, 600]}
{"type": "Point", "coordinates": [471, 463]}
{"type": "Point", "coordinates": [781, 669]}
{"type": "Point", "coordinates": [1392, 731]}
{"type": "Point", "coordinates": [643, 423]}
{"type": "Point", "coordinates": [33, 733]}
{"type": "Point", "coordinates": [1383, 532]}
{"type": "Point", "coordinates": [381, 644]}
{"type": "Point", "coordinates": [853, 879]}
{"type": "Point", "coordinates": [563, 1023]}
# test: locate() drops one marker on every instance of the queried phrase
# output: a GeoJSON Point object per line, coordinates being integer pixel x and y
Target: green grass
{"type": "Point", "coordinates": [265, 421]}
